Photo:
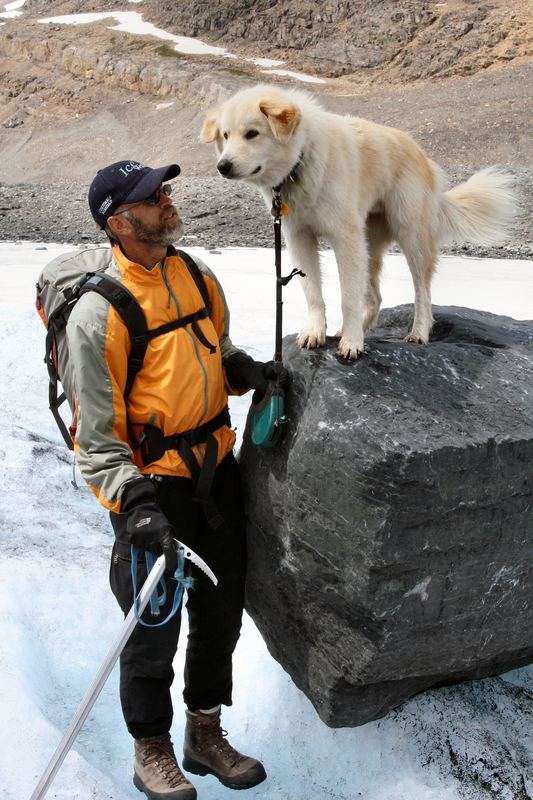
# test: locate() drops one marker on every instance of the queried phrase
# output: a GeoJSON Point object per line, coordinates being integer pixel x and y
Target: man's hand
{"type": "Point", "coordinates": [275, 371]}
{"type": "Point", "coordinates": [243, 372]}
{"type": "Point", "coordinates": [146, 526]}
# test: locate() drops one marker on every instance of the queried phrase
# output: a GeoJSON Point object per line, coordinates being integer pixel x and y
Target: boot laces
{"type": "Point", "coordinates": [217, 738]}
{"type": "Point", "coordinates": [164, 759]}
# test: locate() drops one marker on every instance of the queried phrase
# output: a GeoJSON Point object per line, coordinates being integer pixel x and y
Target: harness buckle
{"type": "Point", "coordinates": [151, 444]}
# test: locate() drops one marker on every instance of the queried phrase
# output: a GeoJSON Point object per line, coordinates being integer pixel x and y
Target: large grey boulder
{"type": "Point", "coordinates": [391, 532]}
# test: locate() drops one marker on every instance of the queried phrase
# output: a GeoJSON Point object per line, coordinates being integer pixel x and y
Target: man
{"type": "Point", "coordinates": [162, 463]}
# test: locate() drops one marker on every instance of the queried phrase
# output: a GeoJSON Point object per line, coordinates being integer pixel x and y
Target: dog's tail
{"type": "Point", "coordinates": [480, 210]}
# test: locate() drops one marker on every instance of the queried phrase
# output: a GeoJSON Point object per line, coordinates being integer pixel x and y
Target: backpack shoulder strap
{"type": "Point", "coordinates": [197, 276]}
{"type": "Point", "coordinates": [132, 315]}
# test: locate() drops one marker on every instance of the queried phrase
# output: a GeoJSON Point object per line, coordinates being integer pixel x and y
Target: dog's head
{"type": "Point", "coordinates": [256, 135]}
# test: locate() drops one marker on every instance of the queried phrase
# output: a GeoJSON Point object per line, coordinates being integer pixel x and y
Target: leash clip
{"type": "Point", "coordinates": [283, 281]}
{"type": "Point", "coordinates": [279, 209]}
{"type": "Point", "coordinates": [276, 203]}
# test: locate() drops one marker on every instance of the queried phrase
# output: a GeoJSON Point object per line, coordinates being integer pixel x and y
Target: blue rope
{"type": "Point", "coordinates": [159, 595]}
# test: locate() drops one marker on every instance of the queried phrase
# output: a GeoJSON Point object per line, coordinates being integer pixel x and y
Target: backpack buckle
{"type": "Point", "coordinates": [151, 444]}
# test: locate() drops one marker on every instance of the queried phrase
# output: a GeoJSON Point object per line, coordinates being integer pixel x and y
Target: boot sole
{"type": "Point", "coordinates": [183, 794]}
{"type": "Point", "coordinates": [197, 768]}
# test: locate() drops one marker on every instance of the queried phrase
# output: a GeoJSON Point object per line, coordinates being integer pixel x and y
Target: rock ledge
{"type": "Point", "coordinates": [391, 533]}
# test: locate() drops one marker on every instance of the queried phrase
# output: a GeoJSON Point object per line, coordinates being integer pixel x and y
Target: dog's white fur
{"type": "Point", "coordinates": [360, 186]}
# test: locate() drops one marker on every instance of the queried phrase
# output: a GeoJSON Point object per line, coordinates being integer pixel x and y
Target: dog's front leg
{"type": "Point", "coordinates": [303, 252]}
{"type": "Point", "coordinates": [352, 262]}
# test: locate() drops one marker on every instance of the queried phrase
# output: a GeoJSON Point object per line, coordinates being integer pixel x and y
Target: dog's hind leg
{"type": "Point", "coordinates": [413, 208]}
{"type": "Point", "coordinates": [373, 293]}
{"type": "Point", "coordinates": [421, 253]}
{"type": "Point", "coordinates": [303, 253]}
{"type": "Point", "coordinates": [352, 262]}
{"type": "Point", "coordinates": [378, 236]}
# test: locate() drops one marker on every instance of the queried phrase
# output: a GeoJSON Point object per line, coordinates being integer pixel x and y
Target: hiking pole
{"type": "Point", "coordinates": [149, 586]}
{"type": "Point", "coordinates": [269, 414]}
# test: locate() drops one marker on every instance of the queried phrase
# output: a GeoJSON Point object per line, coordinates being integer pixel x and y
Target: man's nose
{"type": "Point", "coordinates": [165, 200]}
{"type": "Point", "coordinates": [225, 166]}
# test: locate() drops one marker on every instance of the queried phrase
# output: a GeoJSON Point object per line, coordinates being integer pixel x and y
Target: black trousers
{"type": "Point", "coordinates": [215, 613]}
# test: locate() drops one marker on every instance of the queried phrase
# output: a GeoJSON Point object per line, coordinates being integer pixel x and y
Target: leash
{"type": "Point", "coordinates": [269, 417]}
{"type": "Point", "coordinates": [279, 210]}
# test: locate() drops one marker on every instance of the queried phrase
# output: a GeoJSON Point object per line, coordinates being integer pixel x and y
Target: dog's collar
{"type": "Point", "coordinates": [292, 177]}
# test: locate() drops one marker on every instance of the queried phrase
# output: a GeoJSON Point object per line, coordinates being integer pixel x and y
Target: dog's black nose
{"type": "Point", "coordinates": [225, 166]}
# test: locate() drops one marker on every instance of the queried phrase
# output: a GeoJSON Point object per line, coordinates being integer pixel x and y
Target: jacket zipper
{"type": "Point", "coordinates": [190, 333]}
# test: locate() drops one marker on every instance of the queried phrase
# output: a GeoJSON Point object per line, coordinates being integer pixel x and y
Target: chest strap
{"type": "Point", "coordinates": [133, 316]}
{"type": "Point", "coordinates": [190, 319]}
{"type": "Point", "coordinates": [153, 445]}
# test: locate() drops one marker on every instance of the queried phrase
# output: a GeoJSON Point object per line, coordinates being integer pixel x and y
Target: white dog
{"type": "Point", "coordinates": [360, 186]}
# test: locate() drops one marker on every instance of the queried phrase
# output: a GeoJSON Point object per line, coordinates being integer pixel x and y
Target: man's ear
{"type": "Point", "coordinates": [283, 118]}
{"type": "Point", "coordinates": [210, 130]}
{"type": "Point", "coordinates": [118, 225]}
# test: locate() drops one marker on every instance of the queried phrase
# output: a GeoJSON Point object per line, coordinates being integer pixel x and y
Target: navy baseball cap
{"type": "Point", "coordinates": [124, 182]}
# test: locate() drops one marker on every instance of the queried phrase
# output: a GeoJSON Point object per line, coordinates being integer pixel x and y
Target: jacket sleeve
{"type": "Point", "coordinates": [98, 344]}
{"type": "Point", "coordinates": [220, 317]}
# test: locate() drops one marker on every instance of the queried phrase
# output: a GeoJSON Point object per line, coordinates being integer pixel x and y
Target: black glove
{"type": "Point", "coordinates": [245, 373]}
{"type": "Point", "coordinates": [275, 371]}
{"type": "Point", "coordinates": [146, 526]}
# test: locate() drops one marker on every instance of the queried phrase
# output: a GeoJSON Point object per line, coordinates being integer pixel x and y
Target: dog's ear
{"type": "Point", "coordinates": [283, 118]}
{"type": "Point", "coordinates": [210, 129]}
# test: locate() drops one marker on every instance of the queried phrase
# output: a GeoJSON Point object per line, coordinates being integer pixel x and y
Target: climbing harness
{"type": "Point", "coordinates": [153, 444]}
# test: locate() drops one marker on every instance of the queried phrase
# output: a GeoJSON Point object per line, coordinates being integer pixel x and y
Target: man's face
{"type": "Point", "coordinates": [158, 224]}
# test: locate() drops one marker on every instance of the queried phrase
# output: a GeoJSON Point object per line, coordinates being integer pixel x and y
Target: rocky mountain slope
{"type": "Point", "coordinates": [73, 97]}
{"type": "Point", "coordinates": [385, 41]}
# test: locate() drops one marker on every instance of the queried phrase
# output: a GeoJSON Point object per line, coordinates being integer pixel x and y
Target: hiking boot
{"type": "Point", "coordinates": [156, 771]}
{"type": "Point", "coordinates": [207, 751]}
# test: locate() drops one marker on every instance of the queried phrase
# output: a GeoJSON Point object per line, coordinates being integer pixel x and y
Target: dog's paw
{"type": "Point", "coordinates": [338, 334]}
{"type": "Point", "coordinates": [414, 337]}
{"type": "Point", "coordinates": [350, 350]}
{"type": "Point", "coordinates": [310, 338]}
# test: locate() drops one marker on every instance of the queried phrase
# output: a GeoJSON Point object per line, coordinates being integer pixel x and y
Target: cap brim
{"type": "Point", "coordinates": [151, 182]}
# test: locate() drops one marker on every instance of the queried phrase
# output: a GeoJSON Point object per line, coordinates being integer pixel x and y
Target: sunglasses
{"type": "Point", "coordinates": [153, 200]}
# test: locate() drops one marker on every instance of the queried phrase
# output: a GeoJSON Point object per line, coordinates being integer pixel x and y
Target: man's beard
{"type": "Point", "coordinates": [164, 233]}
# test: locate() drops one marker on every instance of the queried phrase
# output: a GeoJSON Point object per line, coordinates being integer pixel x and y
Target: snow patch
{"type": "Point", "coordinates": [11, 10]}
{"type": "Point", "coordinates": [265, 62]}
{"type": "Point", "coordinates": [14, 5]}
{"type": "Point", "coordinates": [132, 22]}
{"type": "Point", "coordinates": [299, 76]}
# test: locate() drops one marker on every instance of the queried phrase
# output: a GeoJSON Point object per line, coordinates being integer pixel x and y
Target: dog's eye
{"type": "Point", "coordinates": [251, 134]}
{"type": "Point", "coordinates": [225, 134]}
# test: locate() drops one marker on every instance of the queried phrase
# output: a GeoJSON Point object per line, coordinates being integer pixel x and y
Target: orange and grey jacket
{"type": "Point", "coordinates": [180, 386]}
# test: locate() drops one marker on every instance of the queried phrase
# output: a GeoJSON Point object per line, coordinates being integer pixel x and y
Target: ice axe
{"type": "Point", "coordinates": [268, 415]}
{"type": "Point", "coordinates": [149, 587]}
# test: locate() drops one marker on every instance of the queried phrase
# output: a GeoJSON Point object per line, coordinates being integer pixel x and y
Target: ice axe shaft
{"type": "Point", "coordinates": [94, 690]}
